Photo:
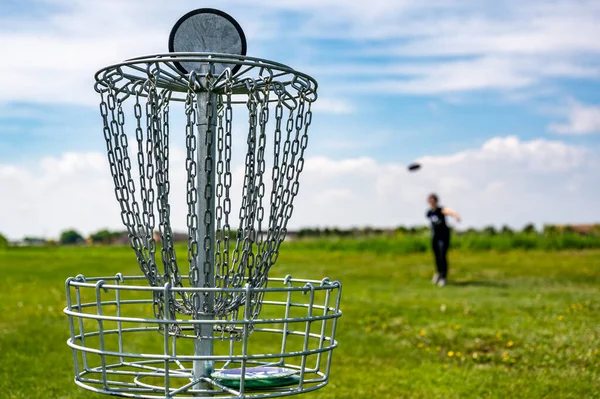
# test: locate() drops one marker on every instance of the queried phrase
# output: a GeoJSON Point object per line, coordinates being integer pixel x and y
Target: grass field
{"type": "Point", "coordinates": [512, 324]}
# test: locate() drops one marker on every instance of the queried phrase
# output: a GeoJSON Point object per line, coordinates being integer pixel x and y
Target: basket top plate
{"type": "Point", "coordinates": [207, 30]}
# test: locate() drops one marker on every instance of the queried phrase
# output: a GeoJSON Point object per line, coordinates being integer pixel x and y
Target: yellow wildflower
{"type": "Point", "coordinates": [450, 353]}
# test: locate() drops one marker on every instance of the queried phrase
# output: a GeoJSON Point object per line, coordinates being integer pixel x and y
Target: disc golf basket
{"type": "Point", "coordinates": [224, 328]}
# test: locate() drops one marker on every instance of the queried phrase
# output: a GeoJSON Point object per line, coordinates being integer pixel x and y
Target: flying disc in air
{"type": "Point", "coordinates": [413, 167]}
{"type": "Point", "coordinates": [257, 377]}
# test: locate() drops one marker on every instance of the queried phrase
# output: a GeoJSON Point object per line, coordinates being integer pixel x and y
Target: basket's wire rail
{"type": "Point", "coordinates": [217, 255]}
{"type": "Point", "coordinates": [115, 346]}
{"type": "Point", "coordinates": [127, 75]}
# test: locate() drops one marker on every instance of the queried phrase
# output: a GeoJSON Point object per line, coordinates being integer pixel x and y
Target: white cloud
{"type": "Point", "coordinates": [334, 106]}
{"type": "Point", "coordinates": [503, 181]}
{"type": "Point", "coordinates": [539, 155]}
{"type": "Point", "coordinates": [505, 46]}
{"type": "Point", "coordinates": [464, 46]}
{"type": "Point", "coordinates": [53, 193]}
{"type": "Point", "coordinates": [457, 76]}
{"type": "Point", "coordinates": [582, 119]}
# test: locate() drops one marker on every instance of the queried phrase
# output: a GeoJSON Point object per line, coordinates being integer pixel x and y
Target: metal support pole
{"type": "Point", "coordinates": [203, 346]}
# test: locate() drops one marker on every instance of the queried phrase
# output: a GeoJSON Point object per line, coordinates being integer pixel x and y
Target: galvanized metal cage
{"type": "Point", "coordinates": [120, 351]}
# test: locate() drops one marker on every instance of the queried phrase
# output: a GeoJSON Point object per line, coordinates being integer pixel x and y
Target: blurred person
{"type": "Point", "coordinates": [440, 237]}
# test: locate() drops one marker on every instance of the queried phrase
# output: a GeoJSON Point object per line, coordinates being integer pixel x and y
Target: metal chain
{"type": "Point", "coordinates": [220, 260]}
{"type": "Point", "coordinates": [226, 302]}
{"type": "Point", "coordinates": [248, 206]}
{"type": "Point", "coordinates": [276, 188]}
{"type": "Point", "coordinates": [208, 196]}
{"type": "Point", "coordinates": [147, 223]}
{"type": "Point", "coordinates": [172, 273]}
{"type": "Point", "coordinates": [254, 279]}
{"type": "Point", "coordinates": [120, 165]}
{"type": "Point", "coordinates": [192, 190]}
{"type": "Point", "coordinates": [154, 171]}
{"type": "Point", "coordinates": [150, 89]}
{"type": "Point", "coordinates": [279, 173]}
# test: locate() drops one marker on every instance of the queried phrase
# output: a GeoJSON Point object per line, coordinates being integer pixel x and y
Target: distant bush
{"type": "Point", "coordinates": [489, 231]}
{"type": "Point", "coordinates": [3, 242]}
{"type": "Point", "coordinates": [104, 236]}
{"type": "Point", "coordinates": [550, 230]}
{"type": "Point", "coordinates": [529, 229]}
{"type": "Point", "coordinates": [70, 237]}
{"type": "Point", "coordinates": [34, 241]}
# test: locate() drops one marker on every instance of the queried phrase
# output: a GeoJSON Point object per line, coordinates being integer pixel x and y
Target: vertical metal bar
{"type": "Point", "coordinates": [167, 312]}
{"type": "Point", "coordinates": [206, 106]}
{"type": "Point", "coordinates": [99, 285]}
{"type": "Point", "coordinates": [72, 326]}
{"type": "Point", "coordinates": [288, 282]}
{"type": "Point", "coordinates": [246, 332]}
{"type": "Point", "coordinates": [81, 330]}
{"type": "Point", "coordinates": [323, 324]}
{"type": "Point", "coordinates": [333, 327]}
{"type": "Point", "coordinates": [118, 280]}
{"type": "Point", "coordinates": [307, 334]}
{"type": "Point", "coordinates": [174, 347]}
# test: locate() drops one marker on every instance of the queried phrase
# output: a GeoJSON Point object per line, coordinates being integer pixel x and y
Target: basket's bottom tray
{"type": "Point", "coordinates": [257, 377]}
{"type": "Point", "coordinates": [146, 379]}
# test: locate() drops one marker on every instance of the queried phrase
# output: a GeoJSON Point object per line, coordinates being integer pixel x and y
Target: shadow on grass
{"type": "Point", "coordinates": [478, 283]}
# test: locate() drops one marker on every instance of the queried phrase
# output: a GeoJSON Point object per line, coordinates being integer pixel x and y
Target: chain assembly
{"type": "Point", "coordinates": [274, 100]}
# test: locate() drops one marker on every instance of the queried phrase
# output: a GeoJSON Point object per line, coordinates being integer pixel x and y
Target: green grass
{"type": "Point", "coordinates": [513, 323]}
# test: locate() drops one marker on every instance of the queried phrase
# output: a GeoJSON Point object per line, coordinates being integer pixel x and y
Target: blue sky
{"type": "Point", "coordinates": [499, 100]}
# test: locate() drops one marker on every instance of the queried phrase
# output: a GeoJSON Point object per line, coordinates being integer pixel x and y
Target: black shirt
{"type": "Point", "coordinates": [439, 227]}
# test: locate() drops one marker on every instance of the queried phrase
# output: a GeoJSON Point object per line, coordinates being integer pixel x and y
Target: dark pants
{"type": "Point", "coordinates": [440, 250]}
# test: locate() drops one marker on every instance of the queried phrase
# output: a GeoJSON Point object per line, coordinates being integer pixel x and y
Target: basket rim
{"type": "Point", "coordinates": [172, 59]}
{"type": "Point", "coordinates": [101, 283]}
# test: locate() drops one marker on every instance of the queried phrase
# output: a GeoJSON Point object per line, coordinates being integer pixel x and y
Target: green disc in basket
{"type": "Point", "coordinates": [257, 377]}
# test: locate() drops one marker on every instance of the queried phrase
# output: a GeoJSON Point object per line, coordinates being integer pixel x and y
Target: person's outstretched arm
{"type": "Point", "coordinates": [450, 212]}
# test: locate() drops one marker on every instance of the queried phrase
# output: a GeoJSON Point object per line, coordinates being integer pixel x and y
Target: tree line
{"type": "Point", "coordinates": [69, 237]}
{"type": "Point", "coordinates": [488, 231]}
{"type": "Point", "coordinates": [107, 237]}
